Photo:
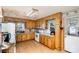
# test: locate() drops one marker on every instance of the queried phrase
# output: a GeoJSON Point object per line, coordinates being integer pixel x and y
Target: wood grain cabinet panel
{"type": "Point", "coordinates": [28, 36]}
{"type": "Point", "coordinates": [30, 24]}
{"type": "Point", "coordinates": [18, 38]}
{"type": "Point", "coordinates": [42, 39]}
{"type": "Point", "coordinates": [25, 36]}
{"type": "Point", "coordinates": [48, 41]}
{"type": "Point", "coordinates": [33, 35]}
{"type": "Point", "coordinates": [53, 43]}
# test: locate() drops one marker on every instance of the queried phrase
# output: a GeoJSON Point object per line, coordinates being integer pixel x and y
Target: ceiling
{"type": "Point", "coordinates": [21, 11]}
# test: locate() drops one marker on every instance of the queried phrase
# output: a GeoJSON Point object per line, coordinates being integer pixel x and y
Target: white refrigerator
{"type": "Point", "coordinates": [10, 28]}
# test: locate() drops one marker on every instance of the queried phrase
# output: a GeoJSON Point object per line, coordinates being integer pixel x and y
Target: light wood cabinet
{"type": "Point", "coordinates": [59, 39]}
{"type": "Point", "coordinates": [18, 38]}
{"type": "Point", "coordinates": [41, 24]}
{"type": "Point", "coordinates": [25, 36]}
{"type": "Point", "coordinates": [41, 39]}
{"type": "Point", "coordinates": [30, 24]}
{"type": "Point", "coordinates": [51, 42]}
{"type": "Point", "coordinates": [48, 41]}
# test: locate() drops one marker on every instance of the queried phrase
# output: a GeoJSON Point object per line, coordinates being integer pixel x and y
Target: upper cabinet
{"type": "Point", "coordinates": [41, 24]}
{"type": "Point", "coordinates": [30, 24]}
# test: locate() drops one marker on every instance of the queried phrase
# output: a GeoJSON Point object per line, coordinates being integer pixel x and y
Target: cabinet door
{"type": "Point", "coordinates": [49, 42]}
{"type": "Point", "coordinates": [28, 36]}
{"type": "Point", "coordinates": [46, 40]}
{"type": "Point", "coordinates": [30, 25]}
{"type": "Point", "coordinates": [42, 39]}
{"type": "Point", "coordinates": [18, 38]}
{"type": "Point", "coordinates": [33, 35]}
{"type": "Point", "coordinates": [37, 24]}
{"type": "Point", "coordinates": [33, 24]}
{"type": "Point", "coordinates": [23, 37]}
{"type": "Point", "coordinates": [53, 43]}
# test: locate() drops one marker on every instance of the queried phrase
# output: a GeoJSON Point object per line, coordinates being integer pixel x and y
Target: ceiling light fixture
{"type": "Point", "coordinates": [32, 13]}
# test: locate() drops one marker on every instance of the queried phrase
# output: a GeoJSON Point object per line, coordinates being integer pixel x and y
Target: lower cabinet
{"type": "Point", "coordinates": [47, 41]}
{"type": "Point", "coordinates": [51, 42]}
{"type": "Point", "coordinates": [18, 38]}
{"type": "Point", "coordinates": [25, 36]}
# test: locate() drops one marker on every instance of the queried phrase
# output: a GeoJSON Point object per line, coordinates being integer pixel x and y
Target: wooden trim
{"type": "Point", "coordinates": [58, 35]}
{"type": "Point", "coordinates": [52, 15]}
{"type": "Point", "coordinates": [17, 18]}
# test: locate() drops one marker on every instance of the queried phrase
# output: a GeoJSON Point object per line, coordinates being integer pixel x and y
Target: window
{"type": "Point", "coordinates": [20, 26]}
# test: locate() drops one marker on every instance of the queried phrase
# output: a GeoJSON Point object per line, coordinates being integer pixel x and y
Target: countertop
{"type": "Point", "coordinates": [25, 33]}
{"type": "Point", "coordinates": [47, 34]}
{"type": "Point", "coordinates": [72, 35]}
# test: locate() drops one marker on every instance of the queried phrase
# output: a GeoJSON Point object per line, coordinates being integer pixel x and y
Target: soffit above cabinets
{"type": "Point", "coordinates": [21, 11]}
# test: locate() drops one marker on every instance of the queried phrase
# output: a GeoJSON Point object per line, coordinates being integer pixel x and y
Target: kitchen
{"type": "Point", "coordinates": [34, 33]}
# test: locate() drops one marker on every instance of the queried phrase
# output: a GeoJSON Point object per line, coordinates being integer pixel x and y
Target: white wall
{"type": "Point", "coordinates": [72, 17]}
